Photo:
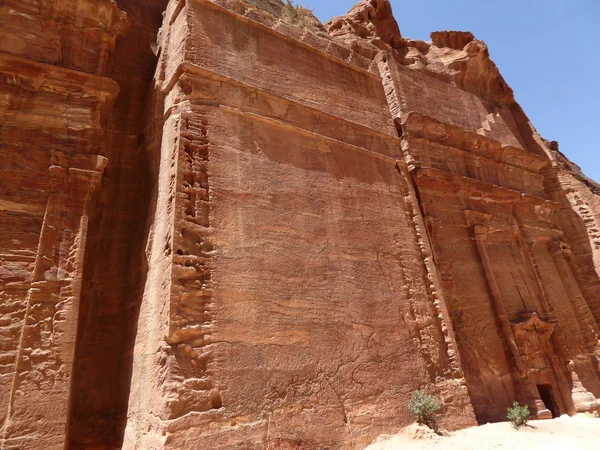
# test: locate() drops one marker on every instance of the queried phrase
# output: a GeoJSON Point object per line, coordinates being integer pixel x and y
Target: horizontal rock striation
{"type": "Point", "coordinates": [225, 225]}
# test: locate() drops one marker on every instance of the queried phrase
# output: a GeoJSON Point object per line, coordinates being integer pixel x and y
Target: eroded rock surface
{"type": "Point", "coordinates": [224, 225]}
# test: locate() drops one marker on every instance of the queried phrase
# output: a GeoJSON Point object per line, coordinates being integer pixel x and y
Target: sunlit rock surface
{"type": "Point", "coordinates": [224, 225]}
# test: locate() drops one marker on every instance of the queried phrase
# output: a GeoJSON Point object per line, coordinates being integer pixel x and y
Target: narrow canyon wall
{"type": "Point", "coordinates": [226, 225]}
{"type": "Point", "coordinates": [74, 77]}
{"type": "Point", "coordinates": [55, 103]}
{"type": "Point", "coordinates": [115, 266]}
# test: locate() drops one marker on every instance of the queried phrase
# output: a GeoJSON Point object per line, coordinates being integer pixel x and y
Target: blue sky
{"type": "Point", "coordinates": [547, 50]}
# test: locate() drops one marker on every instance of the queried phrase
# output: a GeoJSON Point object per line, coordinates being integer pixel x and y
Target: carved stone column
{"type": "Point", "coordinates": [481, 232]}
{"type": "Point", "coordinates": [547, 310]}
{"type": "Point", "coordinates": [560, 356]}
{"type": "Point", "coordinates": [585, 364]}
{"type": "Point", "coordinates": [479, 223]}
{"type": "Point", "coordinates": [585, 320]}
{"type": "Point", "coordinates": [524, 389]}
{"type": "Point", "coordinates": [38, 406]}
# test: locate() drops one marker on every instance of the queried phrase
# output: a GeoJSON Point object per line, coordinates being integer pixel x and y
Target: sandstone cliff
{"type": "Point", "coordinates": [225, 225]}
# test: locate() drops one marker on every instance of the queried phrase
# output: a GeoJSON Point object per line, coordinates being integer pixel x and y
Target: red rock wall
{"type": "Point", "coordinates": [240, 232]}
{"type": "Point", "coordinates": [55, 108]}
{"type": "Point", "coordinates": [56, 103]}
{"type": "Point", "coordinates": [279, 304]}
{"type": "Point", "coordinates": [512, 255]}
{"type": "Point", "coordinates": [116, 264]}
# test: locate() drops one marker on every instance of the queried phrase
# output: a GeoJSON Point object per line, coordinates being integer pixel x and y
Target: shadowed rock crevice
{"type": "Point", "coordinates": [116, 267]}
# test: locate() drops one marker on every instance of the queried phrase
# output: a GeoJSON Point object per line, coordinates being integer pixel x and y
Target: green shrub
{"type": "Point", "coordinates": [518, 415]}
{"type": "Point", "coordinates": [424, 408]}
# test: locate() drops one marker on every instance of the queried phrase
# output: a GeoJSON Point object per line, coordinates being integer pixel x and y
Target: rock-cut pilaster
{"type": "Point", "coordinates": [54, 104]}
{"type": "Point", "coordinates": [37, 410]}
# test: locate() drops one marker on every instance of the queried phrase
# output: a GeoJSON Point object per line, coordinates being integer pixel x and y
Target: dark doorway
{"type": "Point", "coordinates": [547, 397]}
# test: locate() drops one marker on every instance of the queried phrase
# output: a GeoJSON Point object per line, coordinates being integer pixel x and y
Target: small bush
{"type": "Point", "coordinates": [300, 16]}
{"type": "Point", "coordinates": [424, 407]}
{"type": "Point", "coordinates": [518, 415]}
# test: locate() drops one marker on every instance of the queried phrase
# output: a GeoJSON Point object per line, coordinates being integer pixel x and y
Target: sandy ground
{"type": "Point", "coordinates": [578, 432]}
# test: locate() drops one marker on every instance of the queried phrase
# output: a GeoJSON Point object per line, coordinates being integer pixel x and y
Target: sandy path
{"type": "Point", "coordinates": [579, 432]}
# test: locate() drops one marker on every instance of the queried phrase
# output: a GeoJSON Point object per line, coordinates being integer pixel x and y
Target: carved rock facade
{"type": "Point", "coordinates": [224, 228]}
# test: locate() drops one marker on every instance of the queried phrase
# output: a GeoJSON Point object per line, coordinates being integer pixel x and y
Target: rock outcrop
{"type": "Point", "coordinates": [224, 225]}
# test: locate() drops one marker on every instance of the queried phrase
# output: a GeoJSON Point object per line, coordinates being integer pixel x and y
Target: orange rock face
{"type": "Point", "coordinates": [226, 226]}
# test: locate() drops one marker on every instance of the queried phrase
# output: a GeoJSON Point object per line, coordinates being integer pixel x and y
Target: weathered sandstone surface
{"type": "Point", "coordinates": [224, 225]}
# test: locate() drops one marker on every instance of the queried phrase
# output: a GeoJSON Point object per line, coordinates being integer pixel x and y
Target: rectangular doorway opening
{"type": "Point", "coordinates": [547, 397]}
